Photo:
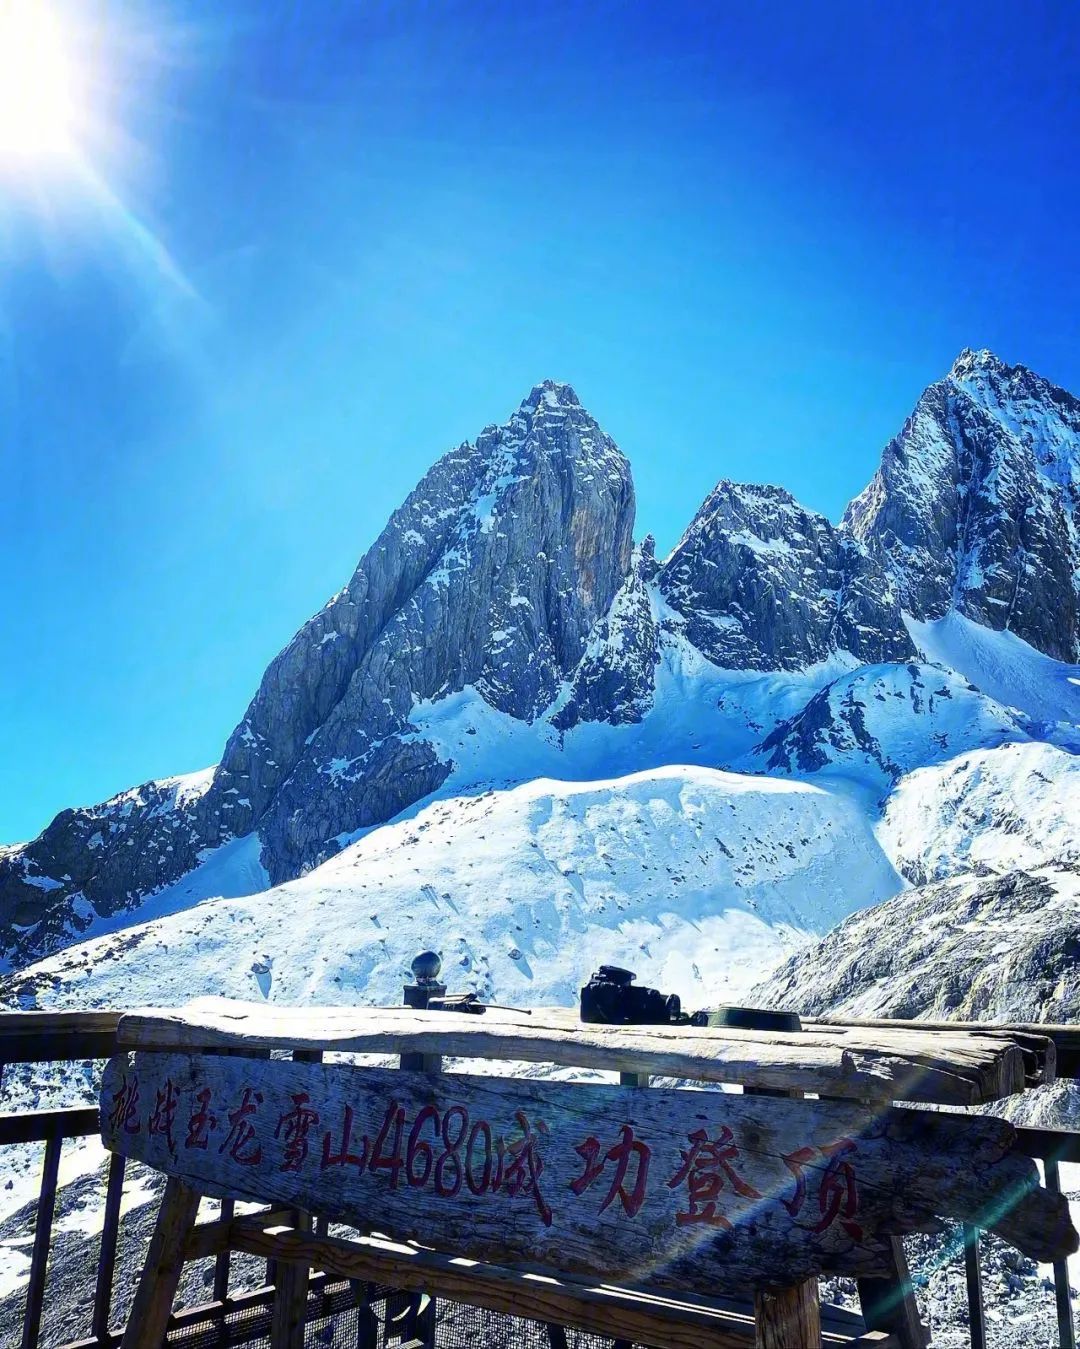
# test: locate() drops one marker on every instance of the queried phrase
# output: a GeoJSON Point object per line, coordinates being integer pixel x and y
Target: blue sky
{"type": "Point", "coordinates": [324, 242]}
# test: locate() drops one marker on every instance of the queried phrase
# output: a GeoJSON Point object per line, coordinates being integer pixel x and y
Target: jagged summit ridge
{"type": "Point", "coordinates": [492, 574]}
{"type": "Point", "coordinates": [551, 393]}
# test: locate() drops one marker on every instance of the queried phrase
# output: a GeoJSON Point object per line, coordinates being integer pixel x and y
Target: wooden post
{"type": "Point", "coordinates": [788, 1318]}
{"type": "Point", "coordinates": [783, 1318]}
{"type": "Point", "coordinates": [889, 1304]}
{"type": "Point", "coordinates": [973, 1273]}
{"type": "Point", "coordinates": [290, 1300]}
{"type": "Point", "coordinates": [425, 969]}
{"type": "Point", "coordinates": [1062, 1293]}
{"type": "Point", "coordinates": [110, 1229]}
{"type": "Point", "coordinates": [153, 1302]}
{"type": "Point", "coordinates": [35, 1292]}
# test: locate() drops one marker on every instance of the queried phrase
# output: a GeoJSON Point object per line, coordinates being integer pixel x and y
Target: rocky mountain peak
{"type": "Point", "coordinates": [491, 575]}
{"type": "Point", "coordinates": [508, 579]}
{"type": "Point", "coordinates": [976, 505]}
{"type": "Point", "coordinates": [763, 583]}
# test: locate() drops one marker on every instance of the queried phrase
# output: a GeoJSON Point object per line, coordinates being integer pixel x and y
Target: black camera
{"type": "Point", "coordinates": [611, 998]}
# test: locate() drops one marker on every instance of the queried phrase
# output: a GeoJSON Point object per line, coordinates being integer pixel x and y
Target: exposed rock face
{"type": "Point", "coordinates": [492, 574]}
{"type": "Point", "coordinates": [764, 584]}
{"type": "Point", "coordinates": [976, 948]}
{"type": "Point", "coordinates": [976, 505]}
{"type": "Point", "coordinates": [118, 850]}
{"type": "Point", "coordinates": [615, 679]}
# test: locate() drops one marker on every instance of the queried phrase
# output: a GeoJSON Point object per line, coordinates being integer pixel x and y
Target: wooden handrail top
{"type": "Point", "coordinates": [958, 1067]}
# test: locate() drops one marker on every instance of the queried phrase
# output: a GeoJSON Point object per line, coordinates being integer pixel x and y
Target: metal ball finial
{"type": "Point", "coordinates": [426, 967]}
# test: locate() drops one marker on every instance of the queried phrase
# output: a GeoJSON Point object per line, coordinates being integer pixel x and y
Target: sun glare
{"type": "Point", "coordinates": [38, 94]}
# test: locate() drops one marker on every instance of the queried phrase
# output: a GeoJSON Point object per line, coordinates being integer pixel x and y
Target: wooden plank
{"type": "Point", "coordinates": [37, 1126]}
{"type": "Point", "coordinates": [150, 1309]}
{"type": "Point", "coordinates": [1059, 1145]}
{"type": "Point", "coordinates": [788, 1317]}
{"type": "Point", "coordinates": [1048, 1050]}
{"type": "Point", "coordinates": [709, 1189]}
{"type": "Point", "coordinates": [41, 1037]}
{"type": "Point", "coordinates": [954, 1069]}
{"type": "Point", "coordinates": [214, 1237]}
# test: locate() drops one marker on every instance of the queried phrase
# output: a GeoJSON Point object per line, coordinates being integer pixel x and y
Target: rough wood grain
{"type": "Point", "coordinates": [1048, 1050]}
{"type": "Point", "coordinates": [290, 1300]}
{"type": "Point", "coordinates": [889, 1303]}
{"type": "Point", "coordinates": [939, 1068]}
{"type": "Point", "coordinates": [153, 1301]}
{"type": "Point", "coordinates": [693, 1190]}
{"type": "Point", "coordinates": [788, 1317]}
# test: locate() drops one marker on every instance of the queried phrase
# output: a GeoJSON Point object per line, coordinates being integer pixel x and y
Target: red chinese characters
{"type": "Point", "coordinates": [240, 1140]}
{"type": "Point", "coordinates": [344, 1156]}
{"type": "Point", "coordinates": [707, 1166]}
{"type": "Point", "coordinates": [838, 1193]}
{"type": "Point", "coordinates": [525, 1166]}
{"type": "Point", "coordinates": [626, 1151]}
{"type": "Point", "coordinates": [294, 1126]}
{"type": "Point", "coordinates": [163, 1116]}
{"type": "Point", "coordinates": [201, 1122]}
{"type": "Point", "coordinates": [124, 1114]}
{"type": "Point", "coordinates": [444, 1150]}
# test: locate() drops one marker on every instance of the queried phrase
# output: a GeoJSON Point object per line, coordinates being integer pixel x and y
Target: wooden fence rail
{"type": "Point", "coordinates": [46, 1037]}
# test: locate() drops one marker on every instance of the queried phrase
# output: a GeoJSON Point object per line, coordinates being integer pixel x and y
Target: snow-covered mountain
{"type": "Point", "coordinates": [671, 870]}
{"type": "Point", "coordinates": [513, 730]}
{"type": "Point", "coordinates": [976, 505]}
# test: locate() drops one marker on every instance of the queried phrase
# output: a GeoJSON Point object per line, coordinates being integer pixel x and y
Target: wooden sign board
{"type": "Point", "coordinates": [695, 1190]}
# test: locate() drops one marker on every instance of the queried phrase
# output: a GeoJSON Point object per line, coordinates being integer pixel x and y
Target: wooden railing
{"type": "Point", "coordinates": [66, 1037]}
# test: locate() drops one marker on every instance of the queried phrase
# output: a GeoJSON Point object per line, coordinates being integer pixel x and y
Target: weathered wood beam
{"type": "Point", "coordinates": [38, 1126]}
{"type": "Point", "coordinates": [110, 1230]}
{"type": "Point", "coordinates": [206, 1239]}
{"type": "Point", "coordinates": [1048, 1050]}
{"type": "Point", "coordinates": [33, 1037]}
{"type": "Point", "coordinates": [948, 1069]}
{"type": "Point", "coordinates": [398, 1148]}
{"type": "Point", "coordinates": [43, 1221]}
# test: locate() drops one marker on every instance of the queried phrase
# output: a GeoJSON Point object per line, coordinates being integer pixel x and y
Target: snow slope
{"type": "Point", "coordinates": [1007, 669]}
{"type": "Point", "coordinates": [993, 809]}
{"type": "Point", "coordinates": [699, 880]}
{"type": "Point", "coordinates": [231, 869]}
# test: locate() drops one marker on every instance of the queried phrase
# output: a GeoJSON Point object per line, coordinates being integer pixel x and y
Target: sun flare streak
{"type": "Point", "coordinates": [54, 130]}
